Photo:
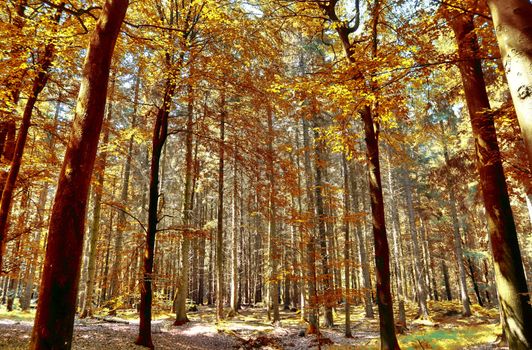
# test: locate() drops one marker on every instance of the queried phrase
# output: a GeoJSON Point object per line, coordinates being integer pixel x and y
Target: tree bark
{"type": "Point", "coordinates": [160, 133]}
{"type": "Point", "coordinates": [220, 218]}
{"type": "Point", "coordinates": [445, 274]}
{"type": "Point", "coordinates": [396, 236]}
{"type": "Point", "coordinates": [511, 19]}
{"type": "Point", "coordinates": [382, 250]}
{"type": "Point", "coordinates": [509, 272]}
{"type": "Point", "coordinates": [328, 297]}
{"type": "Point", "coordinates": [312, 308]}
{"type": "Point", "coordinates": [234, 237]}
{"type": "Point", "coordinates": [466, 309]}
{"type": "Point", "coordinates": [362, 253]}
{"type": "Point", "coordinates": [57, 298]}
{"type": "Point", "coordinates": [94, 232]}
{"type": "Point", "coordinates": [121, 219]}
{"type": "Point", "coordinates": [347, 244]}
{"type": "Point", "coordinates": [418, 263]}
{"type": "Point", "coordinates": [272, 225]}
{"type": "Point", "coordinates": [182, 287]}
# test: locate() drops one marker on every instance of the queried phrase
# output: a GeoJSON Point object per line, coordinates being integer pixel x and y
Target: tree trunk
{"type": "Point", "coordinates": [312, 309]}
{"type": "Point", "coordinates": [25, 302]}
{"type": "Point", "coordinates": [474, 280]}
{"type": "Point", "coordinates": [382, 250]}
{"type": "Point", "coordinates": [396, 235]}
{"type": "Point", "coordinates": [220, 218]}
{"type": "Point", "coordinates": [8, 187]}
{"type": "Point", "coordinates": [509, 272]}
{"type": "Point", "coordinates": [362, 253]}
{"type": "Point", "coordinates": [445, 274]}
{"type": "Point", "coordinates": [418, 264]}
{"type": "Point", "coordinates": [94, 232]}
{"type": "Point", "coordinates": [57, 298]}
{"type": "Point", "coordinates": [466, 309]}
{"type": "Point", "coordinates": [160, 133]}
{"type": "Point", "coordinates": [182, 287]}
{"type": "Point", "coordinates": [234, 237]}
{"type": "Point", "coordinates": [511, 19]}
{"type": "Point", "coordinates": [272, 225]}
{"type": "Point", "coordinates": [347, 244]}
{"type": "Point", "coordinates": [121, 220]}
{"type": "Point", "coordinates": [328, 297]}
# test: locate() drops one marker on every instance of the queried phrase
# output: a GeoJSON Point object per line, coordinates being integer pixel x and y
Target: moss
{"type": "Point", "coordinates": [452, 338]}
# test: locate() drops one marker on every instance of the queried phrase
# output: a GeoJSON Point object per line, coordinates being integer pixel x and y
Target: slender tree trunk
{"type": "Point", "coordinates": [396, 235]}
{"type": "Point", "coordinates": [313, 306]}
{"type": "Point", "coordinates": [509, 272]}
{"type": "Point", "coordinates": [160, 133]}
{"type": "Point", "coordinates": [322, 234]}
{"type": "Point", "coordinates": [38, 221]}
{"type": "Point", "coordinates": [182, 287]}
{"type": "Point", "coordinates": [57, 298]}
{"type": "Point", "coordinates": [362, 253]}
{"type": "Point", "coordinates": [220, 219]}
{"type": "Point", "coordinates": [347, 244]}
{"type": "Point", "coordinates": [234, 238]}
{"type": "Point", "coordinates": [8, 187]}
{"type": "Point", "coordinates": [418, 264]}
{"type": "Point", "coordinates": [272, 225]}
{"type": "Point", "coordinates": [121, 220]}
{"type": "Point", "coordinates": [466, 309]}
{"type": "Point", "coordinates": [382, 251]}
{"type": "Point", "coordinates": [474, 281]}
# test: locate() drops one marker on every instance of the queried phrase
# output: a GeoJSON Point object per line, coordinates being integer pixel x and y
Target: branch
{"type": "Point", "coordinates": [113, 205]}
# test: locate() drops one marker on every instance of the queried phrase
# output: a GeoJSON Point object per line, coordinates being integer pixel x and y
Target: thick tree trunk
{"type": "Point", "coordinates": [511, 19]}
{"type": "Point", "coordinates": [57, 298]}
{"type": "Point", "coordinates": [94, 232]}
{"type": "Point", "coordinates": [509, 272]}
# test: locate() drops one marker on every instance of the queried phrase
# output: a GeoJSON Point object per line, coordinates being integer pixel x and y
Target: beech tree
{"type": "Point", "coordinates": [511, 281]}
{"type": "Point", "coordinates": [252, 155]}
{"type": "Point", "coordinates": [54, 320]}
{"type": "Point", "coordinates": [511, 20]}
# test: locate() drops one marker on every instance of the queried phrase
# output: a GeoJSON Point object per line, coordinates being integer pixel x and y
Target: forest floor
{"type": "Point", "coordinates": [250, 330]}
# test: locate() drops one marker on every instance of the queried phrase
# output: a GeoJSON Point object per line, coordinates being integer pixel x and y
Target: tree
{"type": "Point", "coordinates": [509, 273]}
{"type": "Point", "coordinates": [45, 61]}
{"type": "Point", "coordinates": [220, 215]}
{"type": "Point", "coordinates": [160, 133]}
{"type": "Point", "coordinates": [371, 130]}
{"type": "Point", "coordinates": [511, 20]}
{"type": "Point", "coordinates": [54, 320]}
